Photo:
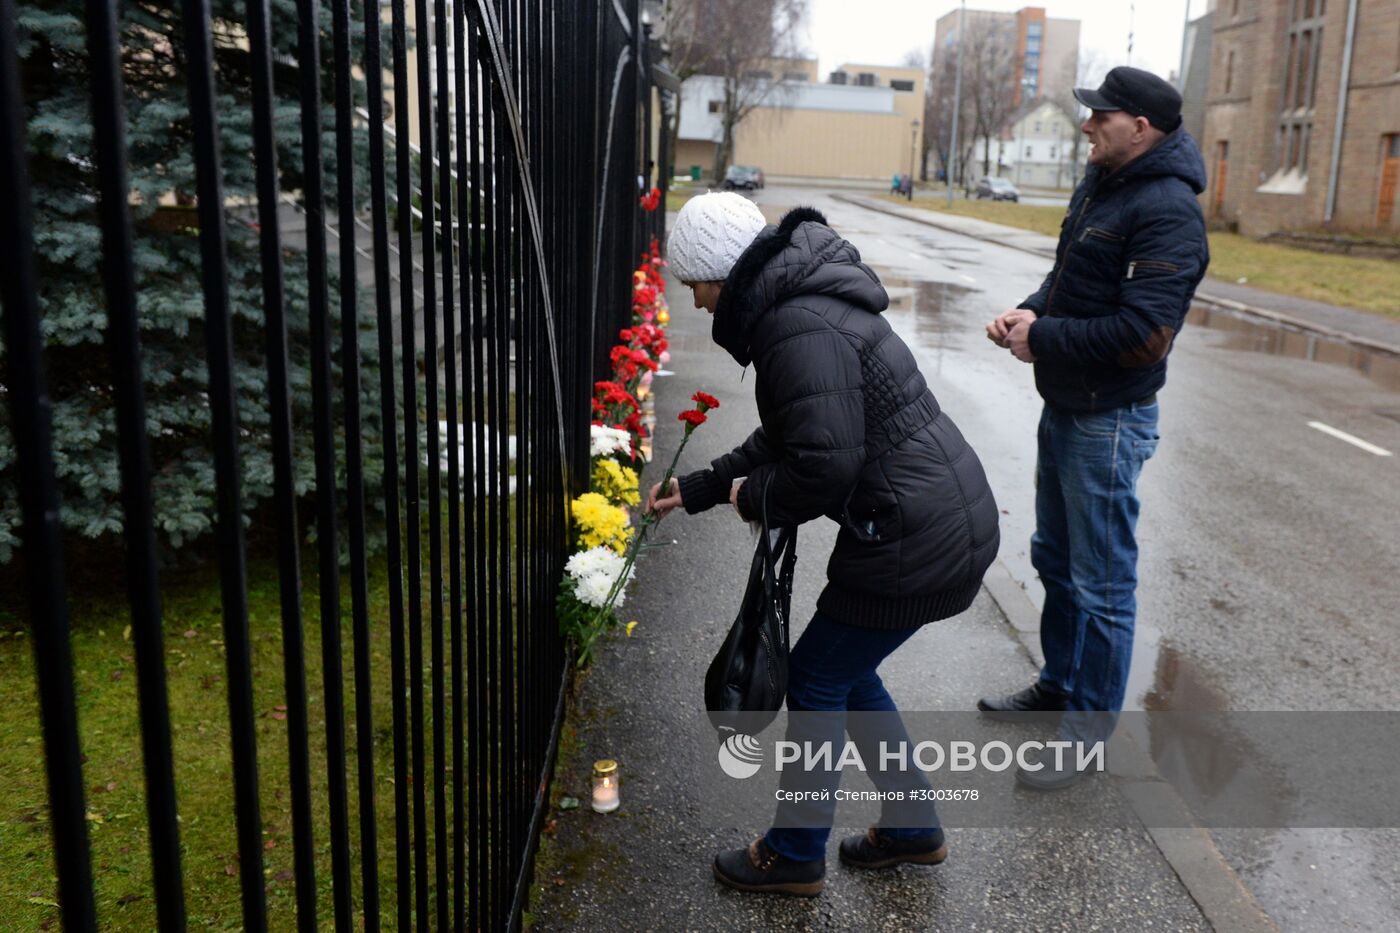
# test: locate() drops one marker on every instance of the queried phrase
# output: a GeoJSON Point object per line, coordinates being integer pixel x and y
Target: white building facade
{"type": "Point", "coordinates": [1036, 150]}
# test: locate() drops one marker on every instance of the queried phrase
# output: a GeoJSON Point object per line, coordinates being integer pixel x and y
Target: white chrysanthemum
{"type": "Point", "coordinates": [594, 560]}
{"type": "Point", "coordinates": [594, 572]}
{"type": "Point", "coordinates": [604, 441]}
{"type": "Point", "coordinates": [593, 589]}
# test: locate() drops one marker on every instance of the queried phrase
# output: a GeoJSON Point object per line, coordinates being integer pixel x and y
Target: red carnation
{"type": "Point", "coordinates": [693, 418]}
{"type": "Point", "coordinates": [705, 401]}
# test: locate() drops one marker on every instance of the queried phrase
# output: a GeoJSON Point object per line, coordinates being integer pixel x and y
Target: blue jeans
{"type": "Point", "coordinates": [832, 669]}
{"type": "Point", "coordinates": [1085, 550]}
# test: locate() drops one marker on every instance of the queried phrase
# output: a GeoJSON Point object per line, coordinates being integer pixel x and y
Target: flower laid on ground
{"type": "Point", "coordinates": [595, 577]}
{"type": "Point", "coordinates": [589, 596]}
{"type": "Point", "coordinates": [599, 522]}
{"type": "Point", "coordinates": [617, 482]}
{"type": "Point", "coordinates": [593, 573]}
{"type": "Point", "coordinates": [604, 441]}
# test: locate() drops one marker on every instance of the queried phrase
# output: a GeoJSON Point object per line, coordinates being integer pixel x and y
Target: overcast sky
{"type": "Point", "coordinates": [881, 32]}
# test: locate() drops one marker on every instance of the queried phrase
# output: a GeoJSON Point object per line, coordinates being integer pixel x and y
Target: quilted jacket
{"type": "Point", "coordinates": [849, 431]}
{"type": "Point", "coordinates": [1132, 251]}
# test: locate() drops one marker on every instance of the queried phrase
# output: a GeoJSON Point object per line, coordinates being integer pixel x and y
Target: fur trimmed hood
{"type": "Point", "coordinates": [800, 256]}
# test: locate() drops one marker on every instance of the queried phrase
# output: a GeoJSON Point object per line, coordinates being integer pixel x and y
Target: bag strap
{"type": "Point", "coordinates": [785, 548]}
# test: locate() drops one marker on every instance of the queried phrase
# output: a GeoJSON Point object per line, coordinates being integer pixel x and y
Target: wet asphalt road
{"type": "Point", "coordinates": [1268, 548]}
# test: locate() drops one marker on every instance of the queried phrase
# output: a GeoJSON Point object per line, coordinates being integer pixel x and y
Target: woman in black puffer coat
{"type": "Point", "coordinates": [850, 431]}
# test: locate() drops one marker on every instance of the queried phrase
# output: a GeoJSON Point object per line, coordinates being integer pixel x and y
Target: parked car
{"type": "Point", "coordinates": [747, 177]}
{"type": "Point", "coordinates": [998, 189]}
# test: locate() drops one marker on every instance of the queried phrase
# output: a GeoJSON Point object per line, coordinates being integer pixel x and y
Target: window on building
{"type": "Point", "coordinates": [866, 79]}
{"type": "Point", "coordinates": [715, 105]}
{"type": "Point", "coordinates": [794, 76]}
{"type": "Point", "coordinates": [760, 75]}
{"type": "Point", "coordinates": [1229, 70]}
{"type": "Point", "coordinates": [1037, 126]}
{"type": "Point", "coordinates": [1052, 152]}
{"type": "Point", "coordinates": [1299, 93]}
{"type": "Point", "coordinates": [1028, 152]}
{"type": "Point", "coordinates": [899, 85]}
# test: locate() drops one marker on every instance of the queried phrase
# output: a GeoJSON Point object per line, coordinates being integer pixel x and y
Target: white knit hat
{"type": "Point", "coordinates": [710, 235]}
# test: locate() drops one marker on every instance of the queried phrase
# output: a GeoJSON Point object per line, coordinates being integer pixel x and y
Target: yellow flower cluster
{"type": "Point", "coordinates": [617, 482]}
{"type": "Point", "coordinates": [599, 522]}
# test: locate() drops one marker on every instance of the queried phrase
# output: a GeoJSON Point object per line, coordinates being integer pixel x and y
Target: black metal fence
{"type": "Point", "coordinates": [506, 230]}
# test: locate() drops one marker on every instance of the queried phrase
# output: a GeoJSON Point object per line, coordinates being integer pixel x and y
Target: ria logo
{"type": "Point", "coordinates": [740, 756]}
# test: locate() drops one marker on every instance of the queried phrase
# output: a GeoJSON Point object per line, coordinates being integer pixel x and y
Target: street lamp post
{"type": "Point", "coordinates": [913, 150]}
{"type": "Point", "coordinates": [957, 105]}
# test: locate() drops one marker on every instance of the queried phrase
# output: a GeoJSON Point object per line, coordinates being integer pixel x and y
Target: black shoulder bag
{"type": "Point", "coordinates": [748, 677]}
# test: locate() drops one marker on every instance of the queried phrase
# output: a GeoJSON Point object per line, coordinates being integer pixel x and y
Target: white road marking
{"type": "Point", "coordinates": [919, 256]}
{"type": "Point", "coordinates": [967, 278]}
{"type": "Point", "coordinates": [1350, 439]}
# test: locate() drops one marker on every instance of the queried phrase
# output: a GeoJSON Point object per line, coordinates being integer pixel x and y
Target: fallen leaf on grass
{"type": "Point", "coordinates": [231, 870]}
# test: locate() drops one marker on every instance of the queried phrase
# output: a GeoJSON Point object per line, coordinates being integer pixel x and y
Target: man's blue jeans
{"type": "Point", "coordinates": [832, 669]}
{"type": "Point", "coordinates": [1085, 550]}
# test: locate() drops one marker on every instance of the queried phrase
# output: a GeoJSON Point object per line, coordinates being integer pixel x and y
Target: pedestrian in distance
{"type": "Point", "coordinates": [850, 431]}
{"type": "Point", "coordinates": [896, 182]}
{"type": "Point", "coordinates": [1131, 252]}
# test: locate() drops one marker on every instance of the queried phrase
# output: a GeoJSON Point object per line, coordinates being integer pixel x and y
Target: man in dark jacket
{"type": "Point", "coordinates": [849, 431]}
{"type": "Point", "coordinates": [1132, 250]}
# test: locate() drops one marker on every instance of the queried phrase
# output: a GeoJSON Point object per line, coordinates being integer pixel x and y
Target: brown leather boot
{"type": "Point", "coordinates": [758, 868]}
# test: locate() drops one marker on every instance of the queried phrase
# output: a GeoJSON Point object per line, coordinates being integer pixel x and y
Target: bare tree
{"type": "Point", "coordinates": [989, 76]}
{"type": "Point", "coordinates": [741, 42]}
{"type": "Point", "coordinates": [988, 45]}
{"type": "Point", "coordinates": [1089, 70]}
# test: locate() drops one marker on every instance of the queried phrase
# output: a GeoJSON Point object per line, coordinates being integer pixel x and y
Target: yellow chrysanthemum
{"type": "Point", "coordinates": [599, 522]}
{"type": "Point", "coordinates": [617, 482]}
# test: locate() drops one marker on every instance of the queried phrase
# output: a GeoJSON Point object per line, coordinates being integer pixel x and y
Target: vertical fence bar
{"type": "Point", "coordinates": [462, 545]}
{"type": "Point", "coordinates": [478, 727]}
{"type": "Point", "coordinates": [444, 157]}
{"type": "Point", "coordinates": [124, 340]}
{"type": "Point", "coordinates": [279, 403]}
{"type": "Point", "coordinates": [403, 844]}
{"type": "Point", "coordinates": [412, 484]}
{"type": "Point", "coordinates": [423, 32]}
{"type": "Point", "coordinates": [224, 416]}
{"type": "Point", "coordinates": [31, 409]}
{"type": "Point", "coordinates": [323, 432]}
{"type": "Point", "coordinates": [354, 468]}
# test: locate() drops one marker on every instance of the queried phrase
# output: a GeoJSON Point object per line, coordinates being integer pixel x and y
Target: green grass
{"type": "Point", "coordinates": [680, 192]}
{"type": "Point", "coordinates": [105, 677]}
{"type": "Point", "coordinates": [1349, 281]}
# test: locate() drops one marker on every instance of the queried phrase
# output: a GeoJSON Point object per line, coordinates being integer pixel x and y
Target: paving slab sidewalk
{"type": "Point", "coordinates": [1351, 325]}
{"type": "Point", "coordinates": [647, 866]}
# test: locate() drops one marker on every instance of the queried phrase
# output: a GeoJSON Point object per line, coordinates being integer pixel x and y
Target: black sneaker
{"type": "Point", "coordinates": [1033, 699]}
{"type": "Point", "coordinates": [758, 868]}
{"type": "Point", "coordinates": [879, 850]}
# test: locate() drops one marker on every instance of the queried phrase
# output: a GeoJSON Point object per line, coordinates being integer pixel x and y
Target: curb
{"type": "Point", "coordinates": [1222, 896]}
{"type": "Point", "coordinates": [1277, 318]}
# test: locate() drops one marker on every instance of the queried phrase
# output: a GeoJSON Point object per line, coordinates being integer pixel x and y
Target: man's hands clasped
{"type": "Point", "coordinates": [1011, 331]}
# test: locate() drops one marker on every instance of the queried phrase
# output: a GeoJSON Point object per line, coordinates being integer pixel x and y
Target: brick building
{"type": "Point", "coordinates": [1276, 78]}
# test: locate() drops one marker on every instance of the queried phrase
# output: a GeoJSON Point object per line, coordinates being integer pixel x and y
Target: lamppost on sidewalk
{"type": "Point", "coordinates": [913, 150]}
{"type": "Point", "coordinates": [957, 105]}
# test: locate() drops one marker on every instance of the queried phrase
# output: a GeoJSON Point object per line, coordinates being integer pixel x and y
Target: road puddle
{"type": "Point", "coordinates": [1252, 335]}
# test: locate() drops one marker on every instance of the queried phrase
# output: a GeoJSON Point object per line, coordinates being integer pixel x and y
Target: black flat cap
{"type": "Point", "coordinates": [1138, 92]}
